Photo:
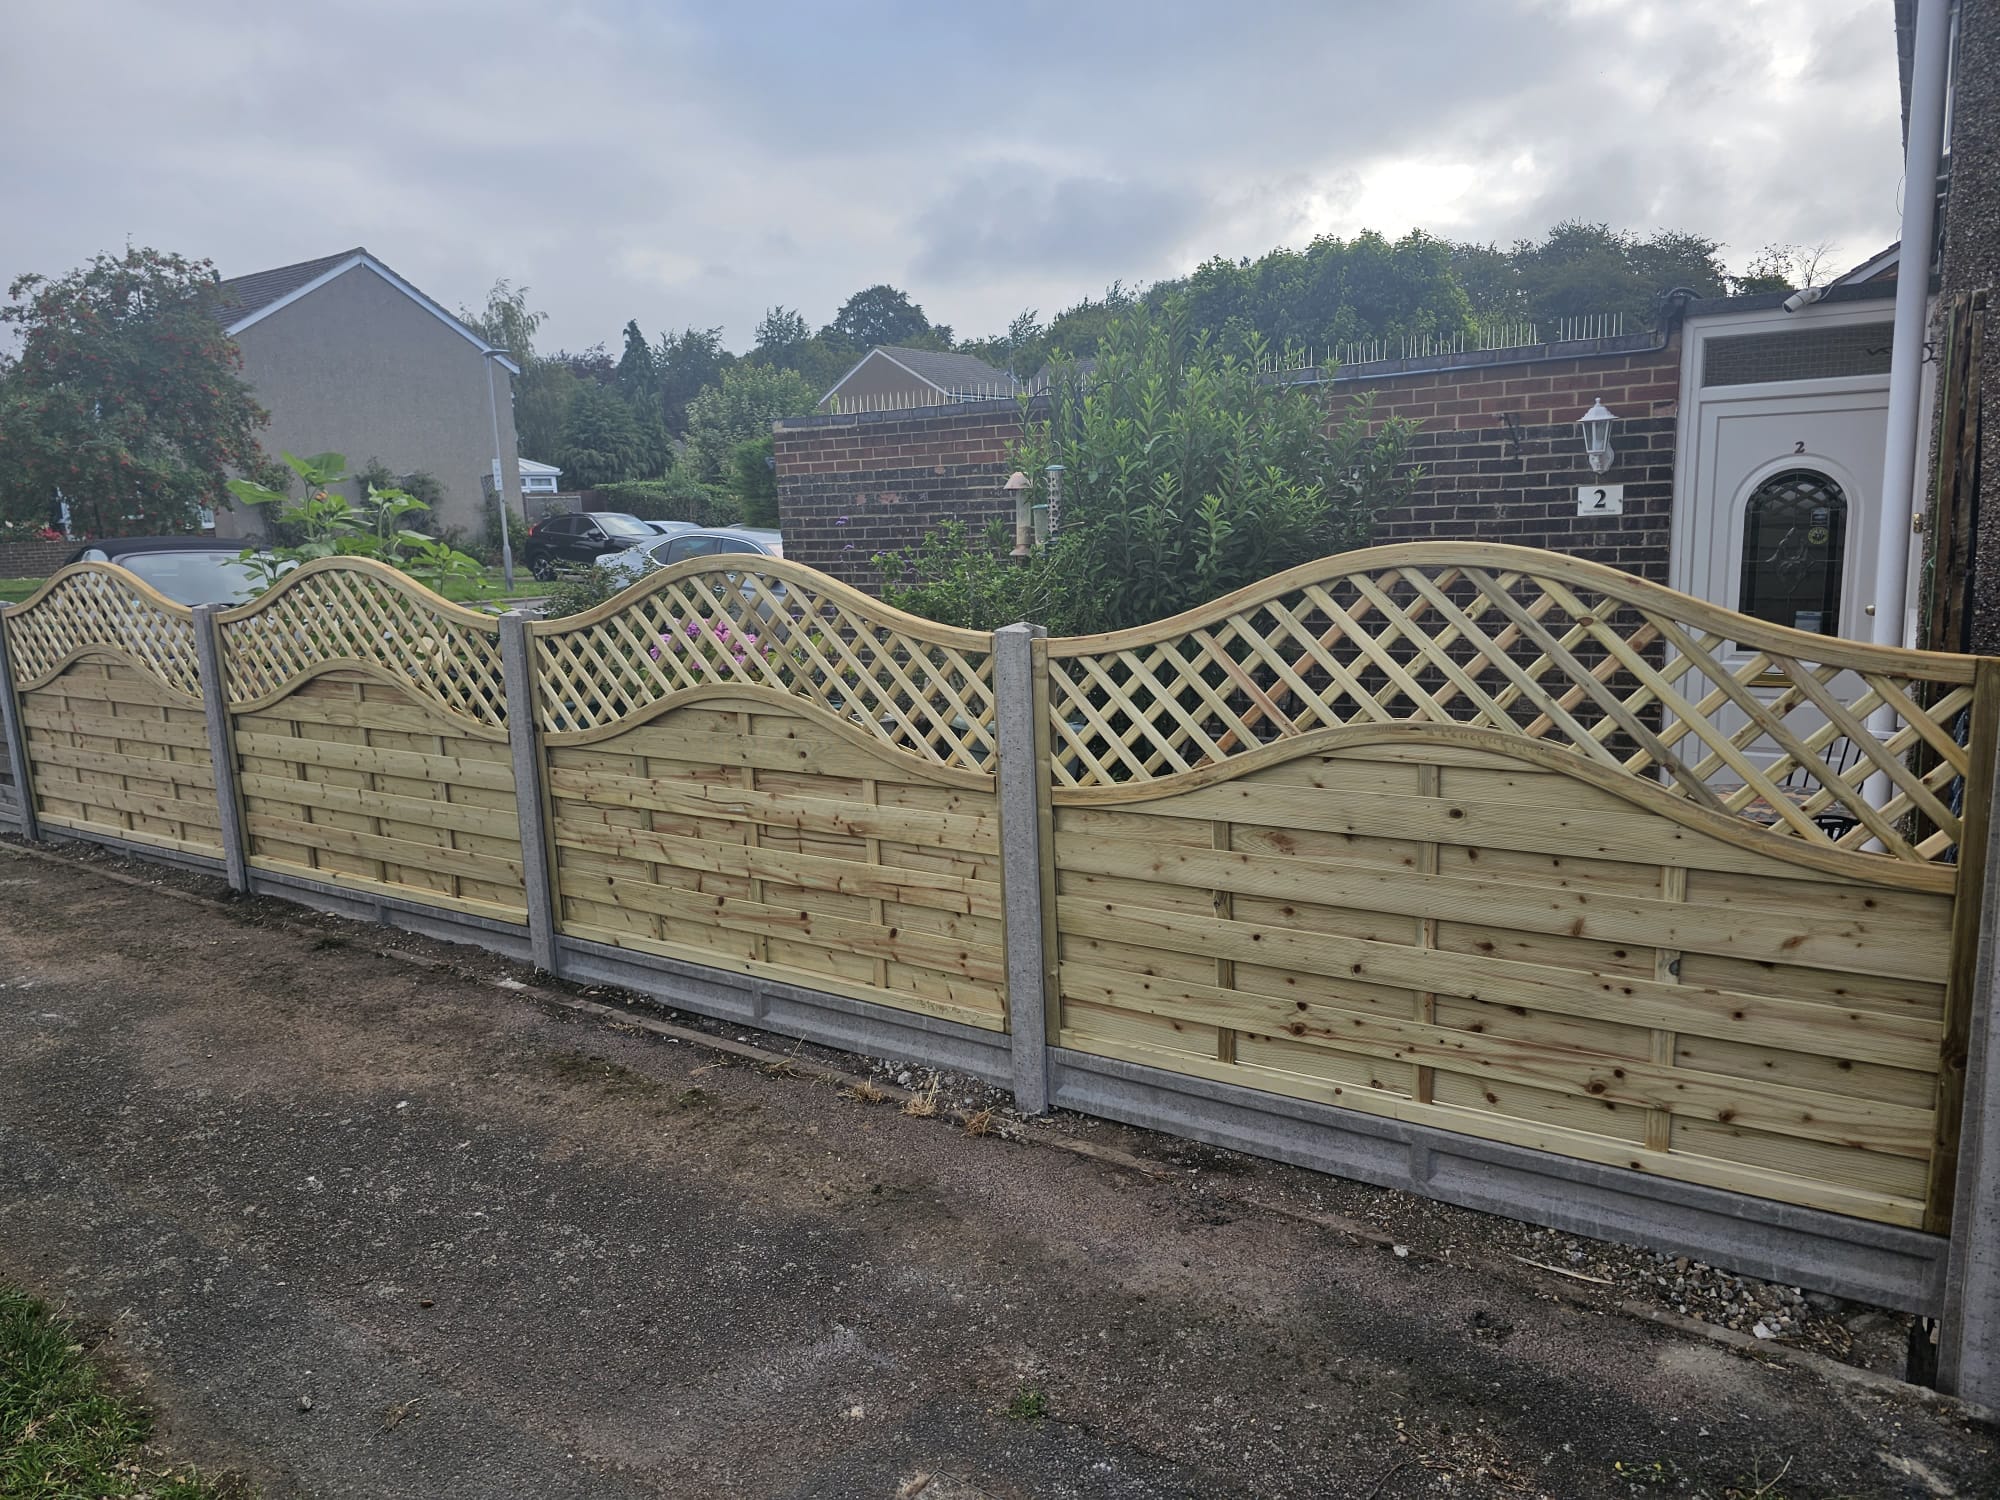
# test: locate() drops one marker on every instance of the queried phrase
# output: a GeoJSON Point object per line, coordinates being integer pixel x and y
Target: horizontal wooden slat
{"type": "Point", "coordinates": [1733, 1177]}
{"type": "Point", "coordinates": [194, 774]}
{"type": "Point", "coordinates": [133, 835]}
{"type": "Point", "coordinates": [186, 732]}
{"type": "Point", "coordinates": [453, 816]}
{"type": "Point", "coordinates": [444, 861]}
{"type": "Point", "coordinates": [973, 828]}
{"type": "Point", "coordinates": [363, 886]}
{"type": "Point", "coordinates": [983, 962]}
{"type": "Point", "coordinates": [1863, 1035]}
{"type": "Point", "coordinates": [1846, 941]}
{"type": "Point", "coordinates": [1814, 1115]}
{"type": "Point", "coordinates": [852, 877]}
{"type": "Point", "coordinates": [987, 1017]}
{"type": "Point", "coordinates": [194, 810]}
{"type": "Point", "coordinates": [495, 774]}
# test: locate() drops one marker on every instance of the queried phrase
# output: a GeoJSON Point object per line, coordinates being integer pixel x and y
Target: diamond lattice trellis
{"type": "Point", "coordinates": [1741, 717]}
{"type": "Point", "coordinates": [924, 689]}
{"type": "Point", "coordinates": [352, 612]}
{"type": "Point", "coordinates": [98, 607]}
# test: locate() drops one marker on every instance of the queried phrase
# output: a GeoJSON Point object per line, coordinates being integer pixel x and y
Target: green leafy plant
{"type": "Point", "coordinates": [1027, 1406]}
{"type": "Point", "coordinates": [1187, 472]}
{"type": "Point", "coordinates": [327, 524]}
{"type": "Point", "coordinates": [753, 476]}
{"type": "Point", "coordinates": [578, 589]}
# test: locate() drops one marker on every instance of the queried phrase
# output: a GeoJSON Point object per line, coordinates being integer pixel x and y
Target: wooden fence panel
{"type": "Point", "coordinates": [115, 753]}
{"type": "Point", "coordinates": [1520, 847]}
{"type": "Point", "coordinates": [752, 767]}
{"type": "Point", "coordinates": [1697, 1008]}
{"type": "Point", "coordinates": [111, 712]}
{"type": "Point", "coordinates": [360, 784]}
{"type": "Point", "coordinates": [369, 725]}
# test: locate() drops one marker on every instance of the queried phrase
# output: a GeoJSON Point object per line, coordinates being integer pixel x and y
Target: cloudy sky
{"type": "Point", "coordinates": [695, 163]}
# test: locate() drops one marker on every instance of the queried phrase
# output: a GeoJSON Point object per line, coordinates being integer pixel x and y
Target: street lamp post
{"type": "Point", "coordinates": [499, 486]}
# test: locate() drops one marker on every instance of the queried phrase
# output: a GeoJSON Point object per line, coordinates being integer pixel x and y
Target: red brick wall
{"type": "Point", "coordinates": [1486, 481]}
{"type": "Point", "coordinates": [852, 486]}
{"type": "Point", "coordinates": [34, 559]}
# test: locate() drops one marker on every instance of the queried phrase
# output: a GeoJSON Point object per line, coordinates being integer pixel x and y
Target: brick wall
{"type": "Point", "coordinates": [1489, 480]}
{"type": "Point", "coordinates": [1498, 442]}
{"type": "Point", "coordinates": [854, 485]}
{"type": "Point", "coordinates": [34, 559]}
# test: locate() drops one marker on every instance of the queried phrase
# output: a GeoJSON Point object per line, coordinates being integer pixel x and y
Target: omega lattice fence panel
{"type": "Point", "coordinates": [1525, 848]}
{"type": "Point", "coordinates": [111, 714]}
{"type": "Point", "coordinates": [753, 767]}
{"type": "Point", "coordinates": [369, 723]}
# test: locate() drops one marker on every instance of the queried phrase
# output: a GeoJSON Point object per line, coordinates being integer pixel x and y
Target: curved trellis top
{"type": "Point", "coordinates": [98, 608]}
{"type": "Point", "coordinates": [351, 612]}
{"type": "Point", "coordinates": [1742, 717]}
{"type": "Point", "coordinates": [920, 688]}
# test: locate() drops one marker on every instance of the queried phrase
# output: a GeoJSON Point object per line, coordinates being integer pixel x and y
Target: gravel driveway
{"type": "Point", "coordinates": [361, 1228]}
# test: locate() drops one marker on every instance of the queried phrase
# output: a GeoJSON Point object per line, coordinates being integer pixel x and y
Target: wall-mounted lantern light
{"type": "Point", "coordinates": [1024, 523]}
{"type": "Point", "coordinates": [1596, 425]}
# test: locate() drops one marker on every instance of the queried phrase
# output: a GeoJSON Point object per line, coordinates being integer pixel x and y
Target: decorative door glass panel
{"type": "Point", "coordinates": [1794, 546]}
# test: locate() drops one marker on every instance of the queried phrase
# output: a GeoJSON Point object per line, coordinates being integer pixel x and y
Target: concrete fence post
{"type": "Point", "coordinates": [1020, 694]}
{"type": "Point", "coordinates": [524, 740]}
{"type": "Point", "coordinates": [17, 741]}
{"type": "Point", "coordinates": [1969, 1330]}
{"type": "Point", "coordinates": [221, 744]}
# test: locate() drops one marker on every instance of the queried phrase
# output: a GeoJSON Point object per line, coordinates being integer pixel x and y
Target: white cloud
{"type": "Point", "coordinates": [687, 164]}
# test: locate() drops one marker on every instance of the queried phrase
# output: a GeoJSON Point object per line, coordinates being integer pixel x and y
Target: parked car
{"type": "Point", "coordinates": [576, 539]}
{"type": "Point", "coordinates": [187, 569]}
{"type": "Point", "coordinates": [634, 562]}
{"type": "Point", "coordinates": [714, 539]}
{"type": "Point", "coordinates": [691, 541]}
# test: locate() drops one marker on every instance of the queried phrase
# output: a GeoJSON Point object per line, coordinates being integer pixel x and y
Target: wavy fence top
{"type": "Point", "coordinates": [96, 607]}
{"type": "Point", "coordinates": [920, 688]}
{"type": "Point", "coordinates": [1741, 717]}
{"type": "Point", "coordinates": [359, 614]}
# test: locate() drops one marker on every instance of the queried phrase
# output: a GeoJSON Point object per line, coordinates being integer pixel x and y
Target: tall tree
{"type": "Point", "coordinates": [744, 404]}
{"type": "Point", "coordinates": [781, 335]}
{"type": "Point", "coordinates": [687, 361]}
{"type": "Point", "coordinates": [638, 375]}
{"type": "Point", "coordinates": [1581, 268]}
{"type": "Point", "coordinates": [125, 399]}
{"type": "Point", "coordinates": [506, 322]}
{"type": "Point", "coordinates": [601, 444]}
{"type": "Point", "coordinates": [882, 315]}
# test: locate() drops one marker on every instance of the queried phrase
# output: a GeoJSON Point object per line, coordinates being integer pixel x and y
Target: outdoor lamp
{"type": "Point", "coordinates": [1596, 425]}
{"type": "Point", "coordinates": [1024, 525]}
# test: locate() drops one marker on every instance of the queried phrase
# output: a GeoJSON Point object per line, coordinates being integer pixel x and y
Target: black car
{"type": "Point", "coordinates": [576, 539]}
{"type": "Point", "coordinates": [187, 569]}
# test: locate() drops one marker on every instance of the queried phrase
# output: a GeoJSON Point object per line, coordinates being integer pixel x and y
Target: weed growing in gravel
{"type": "Point", "coordinates": [63, 1431]}
{"type": "Point", "coordinates": [1027, 1406]}
{"type": "Point", "coordinates": [923, 1103]}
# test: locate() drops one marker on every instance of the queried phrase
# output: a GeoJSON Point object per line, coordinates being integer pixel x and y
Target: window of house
{"type": "Point", "coordinates": [1794, 549]}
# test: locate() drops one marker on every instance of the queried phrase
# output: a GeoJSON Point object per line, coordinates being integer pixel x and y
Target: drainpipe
{"type": "Point", "coordinates": [1928, 83]}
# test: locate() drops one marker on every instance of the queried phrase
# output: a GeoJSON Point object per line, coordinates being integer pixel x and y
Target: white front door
{"type": "Point", "coordinates": [1777, 505]}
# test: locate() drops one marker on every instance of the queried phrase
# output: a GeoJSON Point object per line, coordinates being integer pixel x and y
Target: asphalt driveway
{"type": "Point", "coordinates": [364, 1229]}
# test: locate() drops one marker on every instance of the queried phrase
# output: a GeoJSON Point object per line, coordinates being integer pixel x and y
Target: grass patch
{"type": "Point", "coordinates": [65, 1434]}
{"type": "Point", "coordinates": [14, 590]}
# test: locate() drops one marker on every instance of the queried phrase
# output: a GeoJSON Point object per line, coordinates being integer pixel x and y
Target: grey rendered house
{"type": "Point", "coordinates": [350, 358]}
